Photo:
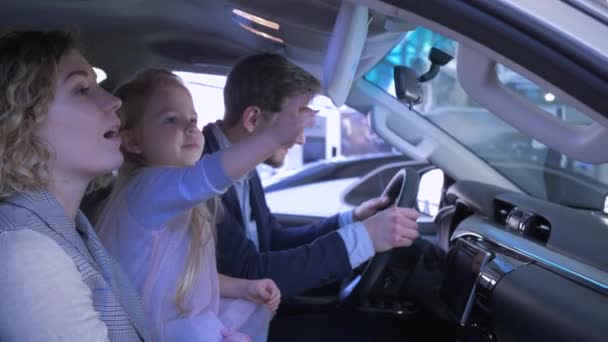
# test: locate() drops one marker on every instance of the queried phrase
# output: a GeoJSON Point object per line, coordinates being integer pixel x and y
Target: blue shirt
{"type": "Point", "coordinates": [356, 239]}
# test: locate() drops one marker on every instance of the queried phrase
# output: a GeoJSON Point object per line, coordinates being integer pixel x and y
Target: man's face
{"type": "Point", "coordinates": [291, 105]}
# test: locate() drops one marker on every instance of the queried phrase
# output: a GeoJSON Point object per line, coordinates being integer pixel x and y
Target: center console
{"type": "Point", "coordinates": [474, 266]}
{"type": "Point", "coordinates": [465, 261]}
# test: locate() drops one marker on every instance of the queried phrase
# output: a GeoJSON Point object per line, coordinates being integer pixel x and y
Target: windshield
{"type": "Point", "coordinates": [536, 169]}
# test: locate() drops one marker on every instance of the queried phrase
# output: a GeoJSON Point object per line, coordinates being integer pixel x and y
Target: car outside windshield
{"type": "Point", "coordinates": [533, 167]}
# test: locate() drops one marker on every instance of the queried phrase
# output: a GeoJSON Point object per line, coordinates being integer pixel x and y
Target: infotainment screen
{"type": "Point", "coordinates": [464, 263]}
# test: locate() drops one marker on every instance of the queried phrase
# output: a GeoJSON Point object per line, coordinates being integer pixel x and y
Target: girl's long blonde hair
{"type": "Point", "coordinates": [135, 95]}
{"type": "Point", "coordinates": [28, 72]}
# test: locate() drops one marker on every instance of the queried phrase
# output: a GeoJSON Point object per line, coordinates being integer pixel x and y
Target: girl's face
{"type": "Point", "coordinates": [167, 134]}
{"type": "Point", "coordinates": [81, 127]}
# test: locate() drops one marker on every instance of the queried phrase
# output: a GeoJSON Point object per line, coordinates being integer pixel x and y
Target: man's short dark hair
{"type": "Point", "coordinates": [266, 81]}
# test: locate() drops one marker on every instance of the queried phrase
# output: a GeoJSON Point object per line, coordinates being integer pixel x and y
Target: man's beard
{"type": "Point", "coordinates": [276, 160]}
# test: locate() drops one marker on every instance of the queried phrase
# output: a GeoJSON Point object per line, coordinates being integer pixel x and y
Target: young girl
{"type": "Point", "coordinates": [158, 225]}
{"type": "Point", "coordinates": [58, 130]}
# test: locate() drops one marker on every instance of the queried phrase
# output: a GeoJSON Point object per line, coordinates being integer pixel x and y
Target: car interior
{"type": "Point", "coordinates": [506, 98]}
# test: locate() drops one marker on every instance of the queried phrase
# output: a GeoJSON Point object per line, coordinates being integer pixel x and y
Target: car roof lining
{"type": "Point", "coordinates": [123, 37]}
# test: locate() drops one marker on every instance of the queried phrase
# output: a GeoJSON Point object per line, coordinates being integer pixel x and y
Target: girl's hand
{"type": "Point", "coordinates": [234, 336]}
{"type": "Point", "coordinates": [263, 291]}
{"type": "Point", "coordinates": [289, 124]}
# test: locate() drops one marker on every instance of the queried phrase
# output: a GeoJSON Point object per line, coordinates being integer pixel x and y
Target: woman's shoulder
{"type": "Point", "coordinates": [27, 254]}
{"type": "Point", "coordinates": [14, 217]}
{"type": "Point", "coordinates": [42, 288]}
{"type": "Point", "coordinates": [24, 244]}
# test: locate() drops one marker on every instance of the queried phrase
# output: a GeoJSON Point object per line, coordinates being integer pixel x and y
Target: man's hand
{"type": "Point", "coordinates": [263, 291]}
{"type": "Point", "coordinates": [369, 208]}
{"type": "Point", "coordinates": [393, 227]}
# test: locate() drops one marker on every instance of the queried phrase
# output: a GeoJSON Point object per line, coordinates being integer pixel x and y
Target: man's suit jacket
{"type": "Point", "coordinates": [117, 304]}
{"type": "Point", "coordinates": [296, 258]}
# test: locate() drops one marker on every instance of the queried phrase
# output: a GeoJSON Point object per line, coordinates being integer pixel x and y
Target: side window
{"type": "Point", "coordinates": [429, 192]}
{"type": "Point", "coordinates": [338, 132]}
{"type": "Point", "coordinates": [343, 134]}
{"type": "Point", "coordinates": [207, 94]}
{"type": "Point", "coordinates": [357, 137]}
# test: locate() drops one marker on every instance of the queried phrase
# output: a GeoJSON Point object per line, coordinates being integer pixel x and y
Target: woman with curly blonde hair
{"type": "Point", "coordinates": [58, 130]}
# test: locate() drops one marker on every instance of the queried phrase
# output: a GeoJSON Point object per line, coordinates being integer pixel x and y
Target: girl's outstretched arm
{"type": "Point", "coordinates": [244, 156]}
{"type": "Point", "coordinates": [157, 194]}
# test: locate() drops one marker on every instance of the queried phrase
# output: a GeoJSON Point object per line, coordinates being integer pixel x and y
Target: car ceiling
{"type": "Point", "coordinates": [123, 36]}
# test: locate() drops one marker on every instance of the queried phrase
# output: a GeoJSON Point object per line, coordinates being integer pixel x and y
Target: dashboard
{"type": "Point", "coordinates": [519, 268]}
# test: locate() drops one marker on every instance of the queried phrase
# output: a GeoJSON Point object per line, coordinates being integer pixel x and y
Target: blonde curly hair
{"type": "Point", "coordinates": [28, 70]}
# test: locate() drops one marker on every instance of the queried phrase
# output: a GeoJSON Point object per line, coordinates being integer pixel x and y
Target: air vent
{"type": "Point", "coordinates": [501, 211]}
{"type": "Point", "coordinates": [529, 224]}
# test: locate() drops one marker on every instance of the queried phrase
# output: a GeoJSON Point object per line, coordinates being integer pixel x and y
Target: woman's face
{"type": "Point", "coordinates": [81, 127]}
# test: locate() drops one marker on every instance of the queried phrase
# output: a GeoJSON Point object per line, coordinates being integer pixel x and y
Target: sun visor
{"type": "Point", "coordinates": [478, 76]}
{"type": "Point", "coordinates": [344, 51]}
{"type": "Point", "coordinates": [375, 48]}
{"type": "Point", "coordinates": [326, 55]}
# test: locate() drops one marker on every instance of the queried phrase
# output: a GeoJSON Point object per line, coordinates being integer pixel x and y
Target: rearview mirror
{"type": "Point", "coordinates": [407, 86]}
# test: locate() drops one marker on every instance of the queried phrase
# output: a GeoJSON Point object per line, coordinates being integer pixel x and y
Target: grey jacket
{"type": "Point", "coordinates": [114, 299]}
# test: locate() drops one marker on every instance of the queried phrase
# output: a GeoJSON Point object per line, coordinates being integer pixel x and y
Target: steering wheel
{"type": "Point", "coordinates": [402, 191]}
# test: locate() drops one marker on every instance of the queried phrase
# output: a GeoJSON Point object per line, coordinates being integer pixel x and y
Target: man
{"type": "Point", "coordinates": [251, 243]}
